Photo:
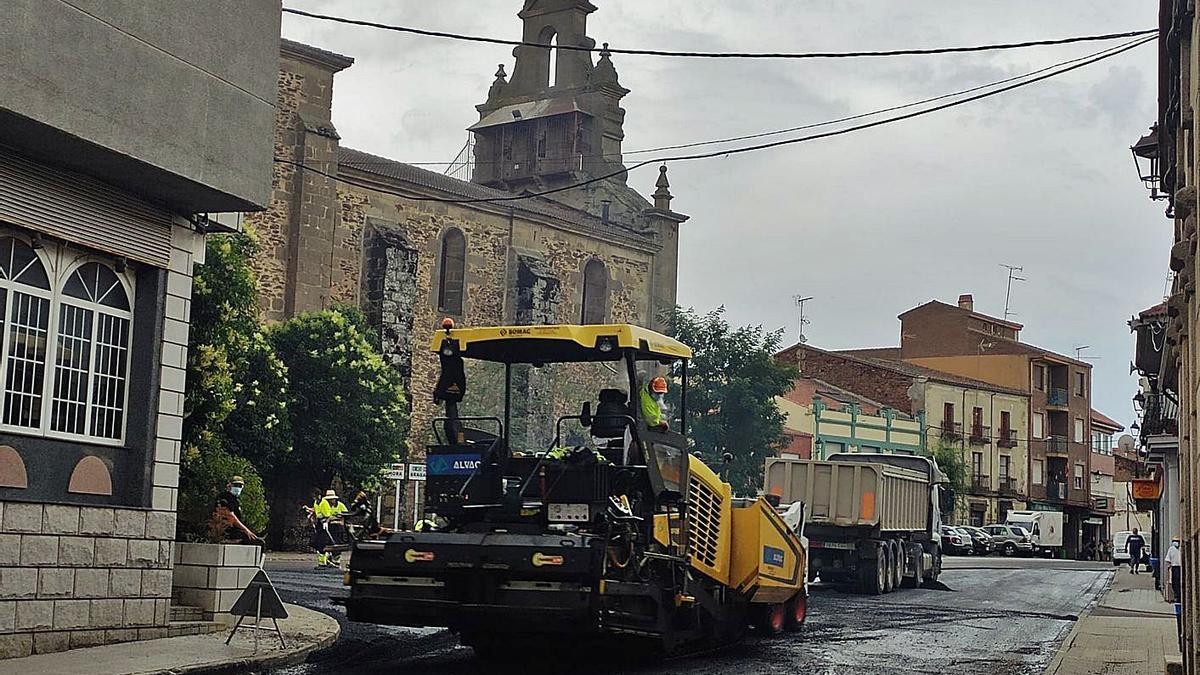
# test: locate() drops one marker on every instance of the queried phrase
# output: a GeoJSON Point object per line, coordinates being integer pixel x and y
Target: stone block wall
{"type": "Point", "coordinates": [79, 576]}
{"type": "Point", "coordinates": [213, 576]}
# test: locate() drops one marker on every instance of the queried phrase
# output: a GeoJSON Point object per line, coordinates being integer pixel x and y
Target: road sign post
{"type": "Point", "coordinates": [396, 473]}
{"type": "Point", "coordinates": [416, 474]}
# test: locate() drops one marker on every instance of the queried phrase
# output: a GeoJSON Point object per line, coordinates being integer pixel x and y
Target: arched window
{"type": "Point", "coordinates": [553, 61]}
{"type": "Point", "coordinates": [595, 293]}
{"type": "Point", "coordinates": [91, 364]}
{"type": "Point", "coordinates": [25, 308]}
{"type": "Point", "coordinates": [549, 37]}
{"type": "Point", "coordinates": [452, 284]}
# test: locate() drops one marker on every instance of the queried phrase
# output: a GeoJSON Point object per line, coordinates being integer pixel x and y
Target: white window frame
{"type": "Point", "coordinates": [60, 262]}
{"type": "Point", "coordinates": [1039, 426]}
{"type": "Point", "coordinates": [10, 287]}
{"type": "Point", "coordinates": [52, 365]}
{"type": "Point", "coordinates": [1038, 472]}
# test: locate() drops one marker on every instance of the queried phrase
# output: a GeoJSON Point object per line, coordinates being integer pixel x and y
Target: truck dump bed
{"type": "Point", "coordinates": [853, 494]}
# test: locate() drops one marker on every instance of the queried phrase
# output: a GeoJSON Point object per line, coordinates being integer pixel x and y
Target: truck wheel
{"type": "Point", "coordinates": [889, 567]}
{"type": "Point", "coordinates": [898, 564]}
{"type": "Point", "coordinates": [771, 619]}
{"type": "Point", "coordinates": [797, 611]}
{"type": "Point", "coordinates": [874, 573]}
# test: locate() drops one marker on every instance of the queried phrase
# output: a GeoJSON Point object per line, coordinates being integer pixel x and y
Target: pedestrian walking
{"type": "Point", "coordinates": [1175, 569]}
{"type": "Point", "coordinates": [1134, 545]}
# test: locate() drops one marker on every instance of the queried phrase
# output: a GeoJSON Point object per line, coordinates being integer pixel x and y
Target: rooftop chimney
{"type": "Point", "coordinates": [965, 301]}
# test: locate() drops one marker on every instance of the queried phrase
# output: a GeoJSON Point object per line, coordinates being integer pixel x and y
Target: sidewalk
{"type": "Point", "coordinates": [304, 630]}
{"type": "Point", "coordinates": [1131, 630]}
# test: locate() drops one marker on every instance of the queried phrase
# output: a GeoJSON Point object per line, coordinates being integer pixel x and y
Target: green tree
{"type": "Point", "coordinates": [347, 412]}
{"type": "Point", "coordinates": [225, 353]}
{"type": "Point", "coordinates": [950, 460]}
{"type": "Point", "coordinates": [733, 380]}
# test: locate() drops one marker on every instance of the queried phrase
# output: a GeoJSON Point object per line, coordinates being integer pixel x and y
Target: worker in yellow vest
{"type": "Point", "coordinates": [327, 512]}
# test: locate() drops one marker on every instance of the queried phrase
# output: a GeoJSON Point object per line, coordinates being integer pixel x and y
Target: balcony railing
{"type": "Point", "coordinates": [1008, 486]}
{"type": "Point", "coordinates": [981, 483]}
{"type": "Point", "coordinates": [1057, 396]}
{"type": "Point", "coordinates": [1007, 439]}
{"type": "Point", "coordinates": [1056, 490]}
{"type": "Point", "coordinates": [1159, 415]}
{"type": "Point", "coordinates": [951, 430]}
{"type": "Point", "coordinates": [1057, 445]}
{"type": "Point", "coordinates": [981, 435]}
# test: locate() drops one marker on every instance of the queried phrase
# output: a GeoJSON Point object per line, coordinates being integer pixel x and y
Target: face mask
{"type": "Point", "coordinates": [1174, 544]}
{"type": "Point", "coordinates": [235, 490]}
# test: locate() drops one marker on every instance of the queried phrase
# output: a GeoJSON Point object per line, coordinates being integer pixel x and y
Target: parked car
{"type": "Point", "coordinates": [1009, 539]}
{"type": "Point", "coordinates": [981, 541]}
{"type": "Point", "coordinates": [955, 542]}
{"type": "Point", "coordinates": [1119, 554]}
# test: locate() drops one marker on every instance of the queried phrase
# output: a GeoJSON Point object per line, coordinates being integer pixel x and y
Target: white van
{"type": "Point", "coordinates": [1045, 528]}
{"type": "Point", "coordinates": [1120, 555]}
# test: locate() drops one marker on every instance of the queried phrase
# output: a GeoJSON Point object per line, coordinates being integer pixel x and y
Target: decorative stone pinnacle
{"type": "Point", "coordinates": [500, 75]}
{"type": "Point", "coordinates": [662, 196]}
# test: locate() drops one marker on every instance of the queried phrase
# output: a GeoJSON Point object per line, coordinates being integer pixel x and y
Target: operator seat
{"type": "Point", "coordinates": [610, 418]}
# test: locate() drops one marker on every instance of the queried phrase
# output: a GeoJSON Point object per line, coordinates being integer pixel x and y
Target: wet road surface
{"type": "Point", "coordinates": [998, 616]}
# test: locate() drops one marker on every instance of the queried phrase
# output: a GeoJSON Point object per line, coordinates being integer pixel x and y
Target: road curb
{"type": "Point", "coordinates": [329, 634]}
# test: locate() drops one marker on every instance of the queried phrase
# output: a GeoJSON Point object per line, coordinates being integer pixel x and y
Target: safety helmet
{"type": "Point", "coordinates": [658, 385]}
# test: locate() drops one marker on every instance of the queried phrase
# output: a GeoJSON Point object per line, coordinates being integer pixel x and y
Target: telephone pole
{"type": "Point", "coordinates": [800, 300]}
{"type": "Point", "coordinates": [1013, 270]}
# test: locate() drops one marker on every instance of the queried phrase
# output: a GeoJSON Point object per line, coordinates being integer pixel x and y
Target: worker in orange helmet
{"type": "Point", "coordinates": [653, 404]}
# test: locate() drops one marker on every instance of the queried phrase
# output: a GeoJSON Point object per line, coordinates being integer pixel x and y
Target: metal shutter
{"type": "Point", "coordinates": [80, 209]}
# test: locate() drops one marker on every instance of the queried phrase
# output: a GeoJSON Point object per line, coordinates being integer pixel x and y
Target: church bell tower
{"type": "Point", "coordinates": [558, 120]}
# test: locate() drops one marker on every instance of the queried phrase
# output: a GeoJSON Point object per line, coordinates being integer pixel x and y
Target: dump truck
{"type": "Point", "coordinates": [612, 531]}
{"type": "Point", "coordinates": [872, 520]}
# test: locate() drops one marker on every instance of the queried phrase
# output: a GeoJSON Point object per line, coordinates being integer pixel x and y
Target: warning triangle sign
{"type": "Point", "coordinates": [260, 590]}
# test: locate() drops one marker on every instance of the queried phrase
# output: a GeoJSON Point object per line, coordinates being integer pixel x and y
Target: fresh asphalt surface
{"type": "Point", "coordinates": [995, 616]}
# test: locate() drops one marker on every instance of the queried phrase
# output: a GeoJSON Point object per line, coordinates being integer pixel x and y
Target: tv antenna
{"type": "Point", "coordinates": [800, 300]}
{"type": "Point", "coordinates": [1079, 354]}
{"type": "Point", "coordinates": [1013, 275]}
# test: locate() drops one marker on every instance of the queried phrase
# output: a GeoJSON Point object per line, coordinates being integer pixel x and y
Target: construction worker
{"type": "Point", "coordinates": [326, 512]}
{"type": "Point", "coordinates": [228, 514]}
{"type": "Point", "coordinates": [651, 395]}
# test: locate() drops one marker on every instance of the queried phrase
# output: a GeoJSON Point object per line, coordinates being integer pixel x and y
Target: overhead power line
{"type": "Point", "coordinates": [720, 55]}
{"type": "Point", "coordinates": [766, 146]}
{"type": "Point", "coordinates": [815, 125]}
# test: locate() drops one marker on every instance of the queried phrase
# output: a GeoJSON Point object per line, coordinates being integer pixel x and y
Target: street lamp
{"type": "Point", "coordinates": [1145, 159]}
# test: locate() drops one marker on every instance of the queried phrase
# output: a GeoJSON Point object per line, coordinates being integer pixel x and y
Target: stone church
{"type": "Point", "coordinates": [411, 246]}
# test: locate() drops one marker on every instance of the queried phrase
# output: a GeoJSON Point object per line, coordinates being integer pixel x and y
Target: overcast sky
{"type": "Point", "coordinates": [871, 223]}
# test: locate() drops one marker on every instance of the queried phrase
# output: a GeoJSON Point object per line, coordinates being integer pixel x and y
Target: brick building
{"type": "Point", "coordinates": [957, 339]}
{"type": "Point", "coordinates": [411, 246]}
{"type": "Point", "coordinates": [982, 420]}
{"type": "Point", "coordinates": [821, 419]}
{"type": "Point", "coordinates": [111, 154]}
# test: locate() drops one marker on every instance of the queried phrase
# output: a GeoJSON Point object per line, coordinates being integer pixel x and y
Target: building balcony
{"type": "Point", "coordinates": [980, 435]}
{"type": "Point", "coordinates": [1007, 439]}
{"type": "Point", "coordinates": [1057, 396]}
{"type": "Point", "coordinates": [981, 484]}
{"type": "Point", "coordinates": [1007, 487]}
{"type": "Point", "coordinates": [1056, 490]}
{"type": "Point", "coordinates": [1159, 415]}
{"type": "Point", "coordinates": [1056, 445]}
{"type": "Point", "coordinates": [951, 431]}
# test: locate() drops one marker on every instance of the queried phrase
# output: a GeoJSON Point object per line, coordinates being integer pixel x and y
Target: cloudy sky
{"type": "Point", "coordinates": [869, 224]}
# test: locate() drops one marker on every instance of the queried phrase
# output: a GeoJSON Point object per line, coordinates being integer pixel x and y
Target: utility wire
{"type": "Point", "coordinates": [814, 125]}
{"type": "Point", "coordinates": [761, 146]}
{"type": "Point", "coordinates": [719, 55]}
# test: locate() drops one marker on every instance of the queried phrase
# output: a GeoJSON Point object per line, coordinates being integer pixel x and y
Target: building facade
{"type": "Point", "coordinates": [983, 422]}
{"type": "Point", "coordinates": [822, 419]}
{"type": "Point", "coordinates": [412, 246]}
{"type": "Point", "coordinates": [1099, 528]}
{"type": "Point", "coordinates": [105, 180]}
{"type": "Point", "coordinates": [957, 339]}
